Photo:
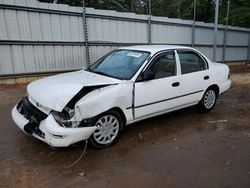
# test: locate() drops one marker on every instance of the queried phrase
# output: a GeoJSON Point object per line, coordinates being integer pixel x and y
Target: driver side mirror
{"type": "Point", "coordinates": [148, 75]}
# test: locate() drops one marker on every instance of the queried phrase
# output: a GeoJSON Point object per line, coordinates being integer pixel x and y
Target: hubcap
{"type": "Point", "coordinates": [107, 129]}
{"type": "Point", "coordinates": [209, 99]}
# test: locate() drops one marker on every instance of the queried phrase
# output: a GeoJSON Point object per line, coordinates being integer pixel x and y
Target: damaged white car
{"type": "Point", "coordinates": [125, 86]}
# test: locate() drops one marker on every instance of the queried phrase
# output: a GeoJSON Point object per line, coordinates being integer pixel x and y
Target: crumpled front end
{"type": "Point", "coordinates": [44, 127]}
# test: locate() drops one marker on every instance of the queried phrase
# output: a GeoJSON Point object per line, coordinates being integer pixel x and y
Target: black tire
{"type": "Point", "coordinates": [108, 130]}
{"type": "Point", "coordinates": [206, 104]}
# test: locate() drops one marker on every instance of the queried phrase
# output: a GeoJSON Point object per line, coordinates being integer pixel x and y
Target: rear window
{"type": "Point", "coordinates": [191, 62]}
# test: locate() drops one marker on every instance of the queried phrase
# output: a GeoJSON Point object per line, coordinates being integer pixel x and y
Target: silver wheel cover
{"type": "Point", "coordinates": [209, 99]}
{"type": "Point", "coordinates": [107, 129]}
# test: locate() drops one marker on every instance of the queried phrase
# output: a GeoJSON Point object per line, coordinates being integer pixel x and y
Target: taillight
{"type": "Point", "coordinates": [228, 77]}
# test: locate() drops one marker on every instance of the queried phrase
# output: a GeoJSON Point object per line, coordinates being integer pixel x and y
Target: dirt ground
{"type": "Point", "coordinates": [180, 149]}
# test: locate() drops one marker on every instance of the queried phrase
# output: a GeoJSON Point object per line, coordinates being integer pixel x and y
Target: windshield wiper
{"type": "Point", "coordinates": [101, 73]}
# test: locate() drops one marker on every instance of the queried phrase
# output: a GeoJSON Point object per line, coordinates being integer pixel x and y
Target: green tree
{"type": "Point", "coordinates": [240, 13]}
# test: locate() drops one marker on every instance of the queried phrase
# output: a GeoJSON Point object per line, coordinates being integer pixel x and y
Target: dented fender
{"type": "Point", "coordinates": [103, 99]}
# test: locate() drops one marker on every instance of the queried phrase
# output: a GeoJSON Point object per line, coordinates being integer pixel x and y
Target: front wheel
{"type": "Point", "coordinates": [208, 100]}
{"type": "Point", "coordinates": [109, 126]}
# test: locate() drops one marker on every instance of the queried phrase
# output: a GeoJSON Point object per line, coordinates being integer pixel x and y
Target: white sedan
{"type": "Point", "coordinates": [125, 86]}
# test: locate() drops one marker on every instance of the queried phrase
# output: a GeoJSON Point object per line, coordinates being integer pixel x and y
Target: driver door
{"type": "Point", "coordinates": [158, 94]}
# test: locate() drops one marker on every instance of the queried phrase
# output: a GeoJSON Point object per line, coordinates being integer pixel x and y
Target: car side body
{"type": "Point", "coordinates": [86, 95]}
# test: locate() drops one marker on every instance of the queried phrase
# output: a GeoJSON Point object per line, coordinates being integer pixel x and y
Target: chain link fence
{"type": "Point", "coordinates": [232, 11]}
{"type": "Point", "coordinates": [235, 12]}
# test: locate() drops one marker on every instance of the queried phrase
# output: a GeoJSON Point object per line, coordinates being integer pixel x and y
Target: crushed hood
{"type": "Point", "coordinates": [55, 92]}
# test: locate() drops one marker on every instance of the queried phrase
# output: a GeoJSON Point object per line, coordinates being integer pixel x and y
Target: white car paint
{"type": "Point", "coordinates": [60, 89]}
{"type": "Point", "coordinates": [53, 94]}
{"type": "Point", "coordinates": [52, 130]}
{"type": "Point", "coordinates": [146, 92]}
{"type": "Point", "coordinates": [103, 99]}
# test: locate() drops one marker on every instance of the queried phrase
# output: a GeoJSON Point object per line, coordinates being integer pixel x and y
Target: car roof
{"type": "Point", "coordinates": [155, 48]}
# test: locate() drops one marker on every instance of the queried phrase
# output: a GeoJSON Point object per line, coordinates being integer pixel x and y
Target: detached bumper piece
{"type": "Point", "coordinates": [34, 115]}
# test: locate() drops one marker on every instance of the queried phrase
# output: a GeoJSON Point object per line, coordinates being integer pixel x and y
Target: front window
{"type": "Point", "coordinates": [121, 64]}
{"type": "Point", "coordinates": [164, 65]}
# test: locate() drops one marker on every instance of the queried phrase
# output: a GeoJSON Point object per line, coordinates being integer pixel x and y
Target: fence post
{"type": "Point", "coordinates": [248, 50]}
{"type": "Point", "coordinates": [149, 23]}
{"type": "Point", "coordinates": [193, 28]}
{"type": "Point", "coordinates": [215, 29]}
{"type": "Point", "coordinates": [224, 45]}
{"type": "Point", "coordinates": [85, 31]}
{"type": "Point", "coordinates": [225, 34]}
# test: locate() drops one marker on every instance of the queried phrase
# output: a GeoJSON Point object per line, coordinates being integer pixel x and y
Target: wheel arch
{"type": "Point", "coordinates": [216, 87]}
{"type": "Point", "coordinates": [119, 110]}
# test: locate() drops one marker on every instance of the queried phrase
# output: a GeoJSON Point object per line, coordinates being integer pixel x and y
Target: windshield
{"type": "Point", "coordinates": [121, 64]}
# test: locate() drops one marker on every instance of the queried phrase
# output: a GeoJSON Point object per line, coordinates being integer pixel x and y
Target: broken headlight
{"type": "Point", "coordinates": [61, 118]}
{"type": "Point", "coordinates": [65, 118]}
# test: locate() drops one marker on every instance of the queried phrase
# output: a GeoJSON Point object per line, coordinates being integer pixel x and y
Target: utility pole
{"type": "Point", "coordinates": [149, 23]}
{"type": "Point", "coordinates": [215, 29]}
{"type": "Point", "coordinates": [225, 33]}
{"type": "Point", "coordinates": [85, 33]}
{"type": "Point", "coordinates": [193, 28]}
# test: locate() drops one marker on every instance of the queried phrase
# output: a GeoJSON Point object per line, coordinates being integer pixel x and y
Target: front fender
{"type": "Point", "coordinates": [103, 99]}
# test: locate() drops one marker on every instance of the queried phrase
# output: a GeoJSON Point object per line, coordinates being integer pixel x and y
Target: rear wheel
{"type": "Point", "coordinates": [208, 100]}
{"type": "Point", "coordinates": [109, 126]}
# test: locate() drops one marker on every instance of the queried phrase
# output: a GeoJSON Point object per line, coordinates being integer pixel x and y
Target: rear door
{"type": "Point", "coordinates": [158, 94]}
{"type": "Point", "coordinates": [194, 78]}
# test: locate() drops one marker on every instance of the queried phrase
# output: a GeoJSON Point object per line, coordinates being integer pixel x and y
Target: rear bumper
{"type": "Point", "coordinates": [51, 132]}
{"type": "Point", "coordinates": [225, 86]}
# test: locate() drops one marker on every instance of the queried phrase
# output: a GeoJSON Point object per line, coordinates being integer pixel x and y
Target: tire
{"type": "Point", "coordinates": [110, 125]}
{"type": "Point", "coordinates": [208, 100]}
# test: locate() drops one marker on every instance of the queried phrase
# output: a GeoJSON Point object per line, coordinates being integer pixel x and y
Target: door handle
{"type": "Point", "coordinates": [175, 84]}
{"type": "Point", "coordinates": [206, 77]}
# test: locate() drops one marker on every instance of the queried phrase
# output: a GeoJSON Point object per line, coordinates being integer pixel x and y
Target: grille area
{"type": "Point", "coordinates": [29, 111]}
{"type": "Point", "coordinates": [34, 115]}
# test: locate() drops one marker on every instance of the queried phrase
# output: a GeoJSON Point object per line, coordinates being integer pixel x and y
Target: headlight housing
{"type": "Point", "coordinates": [68, 118]}
{"type": "Point", "coordinates": [62, 118]}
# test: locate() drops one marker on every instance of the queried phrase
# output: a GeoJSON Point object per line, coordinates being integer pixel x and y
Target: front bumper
{"type": "Point", "coordinates": [50, 132]}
